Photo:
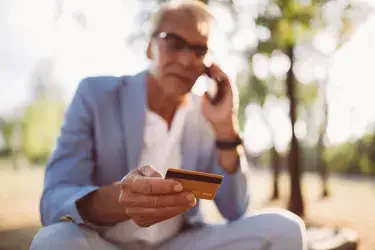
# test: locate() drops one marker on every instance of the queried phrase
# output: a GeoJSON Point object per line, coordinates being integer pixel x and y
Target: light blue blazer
{"type": "Point", "coordinates": [101, 141]}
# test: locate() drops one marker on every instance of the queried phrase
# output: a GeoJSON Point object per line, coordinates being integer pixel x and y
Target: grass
{"type": "Point", "coordinates": [352, 204]}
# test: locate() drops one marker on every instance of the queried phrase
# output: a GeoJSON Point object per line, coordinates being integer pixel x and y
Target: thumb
{"type": "Point", "coordinates": [149, 171]}
{"type": "Point", "coordinates": [206, 99]}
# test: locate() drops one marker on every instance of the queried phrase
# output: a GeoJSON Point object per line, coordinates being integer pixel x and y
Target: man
{"type": "Point", "coordinates": [104, 185]}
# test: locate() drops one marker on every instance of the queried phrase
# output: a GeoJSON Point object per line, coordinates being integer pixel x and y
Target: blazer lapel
{"type": "Point", "coordinates": [132, 109]}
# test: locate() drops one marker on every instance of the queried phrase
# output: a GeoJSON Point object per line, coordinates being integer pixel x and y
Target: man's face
{"type": "Point", "coordinates": [177, 51]}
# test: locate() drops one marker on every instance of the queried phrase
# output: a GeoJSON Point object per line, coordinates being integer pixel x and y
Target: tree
{"type": "Point", "coordinates": [11, 132]}
{"type": "Point", "coordinates": [43, 117]}
{"type": "Point", "coordinates": [351, 17]}
{"type": "Point", "coordinates": [321, 164]}
{"type": "Point", "coordinates": [255, 90]}
{"type": "Point", "coordinates": [284, 24]}
{"type": "Point", "coordinates": [290, 23]}
{"type": "Point", "coordinates": [7, 127]}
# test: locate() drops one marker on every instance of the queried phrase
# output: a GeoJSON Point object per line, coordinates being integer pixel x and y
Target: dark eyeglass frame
{"type": "Point", "coordinates": [199, 50]}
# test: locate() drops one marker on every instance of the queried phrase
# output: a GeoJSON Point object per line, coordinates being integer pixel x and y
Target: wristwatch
{"type": "Point", "coordinates": [229, 144]}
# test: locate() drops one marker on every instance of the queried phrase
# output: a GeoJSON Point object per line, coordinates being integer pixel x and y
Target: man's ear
{"type": "Point", "coordinates": [149, 50]}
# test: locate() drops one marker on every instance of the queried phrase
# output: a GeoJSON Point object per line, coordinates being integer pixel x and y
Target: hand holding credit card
{"type": "Point", "coordinates": [148, 198]}
{"type": "Point", "coordinates": [202, 185]}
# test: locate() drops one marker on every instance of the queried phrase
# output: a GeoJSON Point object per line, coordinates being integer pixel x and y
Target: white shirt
{"type": "Point", "coordinates": [161, 149]}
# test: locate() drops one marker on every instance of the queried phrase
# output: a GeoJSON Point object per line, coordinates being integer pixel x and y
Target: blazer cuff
{"type": "Point", "coordinates": [72, 213]}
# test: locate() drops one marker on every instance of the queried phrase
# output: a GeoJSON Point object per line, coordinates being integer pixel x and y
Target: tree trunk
{"type": "Point", "coordinates": [276, 173]}
{"type": "Point", "coordinates": [275, 159]}
{"type": "Point", "coordinates": [321, 164]}
{"type": "Point", "coordinates": [296, 203]}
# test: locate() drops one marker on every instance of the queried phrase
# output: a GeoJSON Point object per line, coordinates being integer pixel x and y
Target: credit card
{"type": "Point", "coordinates": [202, 185]}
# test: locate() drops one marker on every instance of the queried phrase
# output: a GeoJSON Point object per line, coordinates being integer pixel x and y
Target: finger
{"type": "Point", "coordinates": [216, 72]}
{"type": "Point", "coordinates": [162, 212]}
{"type": "Point", "coordinates": [134, 181]}
{"type": "Point", "coordinates": [150, 171]}
{"type": "Point", "coordinates": [154, 201]}
{"type": "Point", "coordinates": [151, 185]}
{"type": "Point", "coordinates": [144, 222]}
{"type": "Point", "coordinates": [226, 95]}
{"type": "Point", "coordinates": [225, 84]}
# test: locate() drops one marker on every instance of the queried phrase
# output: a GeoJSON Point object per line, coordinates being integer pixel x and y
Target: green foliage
{"type": "Point", "coordinates": [254, 90]}
{"type": "Point", "coordinates": [244, 93]}
{"type": "Point", "coordinates": [286, 28]}
{"type": "Point", "coordinates": [7, 128]}
{"type": "Point", "coordinates": [356, 157]}
{"type": "Point", "coordinates": [308, 93]}
{"type": "Point", "coordinates": [338, 158]}
{"type": "Point", "coordinates": [42, 122]}
{"type": "Point", "coordinates": [259, 91]}
{"type": "Point", "coordinates": [365, 165]}
{"type": "Point", "coordinates": [284, 35]}
{"type": "Point", "coordinates": [352, 157]}
{"type": "Point", "coordinates": [276, 87]}
{"type": "Point", "coordinates": [267, 47]}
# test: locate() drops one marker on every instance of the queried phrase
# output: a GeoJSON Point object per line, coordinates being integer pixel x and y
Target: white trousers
{"type": "Point", "coordinates": [268, 230]}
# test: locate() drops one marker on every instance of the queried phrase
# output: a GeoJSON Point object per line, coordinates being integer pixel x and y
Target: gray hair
{"type": "Point", "coordinates": [198, 11]}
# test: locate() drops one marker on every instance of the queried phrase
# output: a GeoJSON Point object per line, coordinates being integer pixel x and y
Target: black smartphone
{"type": "Point", "coordinates": [215, 92]}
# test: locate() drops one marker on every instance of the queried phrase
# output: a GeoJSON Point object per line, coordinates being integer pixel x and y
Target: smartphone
{"type": "Point", "coordinates": [215, 89]}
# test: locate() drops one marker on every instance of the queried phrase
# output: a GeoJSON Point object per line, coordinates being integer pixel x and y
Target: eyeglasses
{"type": "Point", "coordinates": [178, 43]}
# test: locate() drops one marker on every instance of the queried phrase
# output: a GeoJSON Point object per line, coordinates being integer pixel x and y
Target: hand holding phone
{"type": "Point", "coordinates": [216, 91]}
{"type": "Point", "coordinates": [221, 107]}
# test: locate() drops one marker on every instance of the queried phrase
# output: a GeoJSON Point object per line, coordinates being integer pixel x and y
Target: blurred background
{"type": "Point", "coordinates": [303, 68]}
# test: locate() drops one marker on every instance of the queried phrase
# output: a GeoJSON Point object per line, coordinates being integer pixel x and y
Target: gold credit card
{"type": "Point", "coordinates": [202, 185]}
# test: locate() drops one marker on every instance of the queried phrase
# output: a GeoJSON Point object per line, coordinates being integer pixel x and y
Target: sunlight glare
{"type": "Point", "coordinates": [279, 64]}
{"type": "Point", "coordinates": [300, 129]}
{"type": "Point", "coordinates": [280, 123]}
{"type": "Point", "coordinates": [263, 33]}
{"type": "Point", "coordinates": [257, 136]}
{"type": "Point", "coordinates": [261, 66]}
{"type": "Point", "coordinates": [326, 41]}
{"type": "Point", "coordinates": [223, 16]}
{"type": "Point", "coordinates": [351, 86]}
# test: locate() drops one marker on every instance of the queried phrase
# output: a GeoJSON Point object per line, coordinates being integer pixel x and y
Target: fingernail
{"type": "Point", "coordinates": [190, 197]}
{"type": "Point", "coordinates": [192, 203]}
{"type": "Point", "coordinates": [177, 188]}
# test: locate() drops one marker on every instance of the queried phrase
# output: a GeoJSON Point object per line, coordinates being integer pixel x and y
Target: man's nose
{"type": "Point", "coordinates": [186, 57]}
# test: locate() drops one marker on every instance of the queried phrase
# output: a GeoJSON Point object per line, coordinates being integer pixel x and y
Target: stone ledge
{"type": "Point", "coordinates": [327, 238]}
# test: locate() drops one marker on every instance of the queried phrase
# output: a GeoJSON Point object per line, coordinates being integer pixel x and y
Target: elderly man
{"type": "Point", "coordinates": [104, 185]}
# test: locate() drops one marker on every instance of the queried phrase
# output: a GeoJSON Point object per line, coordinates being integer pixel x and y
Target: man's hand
{"type": "Point", "coordinates": [223, 118]}
{"type": "Point", "coordinates": [148, 198]}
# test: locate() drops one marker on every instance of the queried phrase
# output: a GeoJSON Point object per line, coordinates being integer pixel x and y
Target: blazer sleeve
{"type": "Point", "coordinates": [233, 197]}
{"type": "Point", "coordinates": [68, 174]}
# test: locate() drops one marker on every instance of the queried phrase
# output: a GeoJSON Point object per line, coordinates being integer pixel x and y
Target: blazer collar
{"type": "Point", "coordinates": [133, 107]}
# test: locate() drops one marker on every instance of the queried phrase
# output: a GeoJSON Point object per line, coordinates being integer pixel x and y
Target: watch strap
{"type": "Point", "coordinates": [229, 144]}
